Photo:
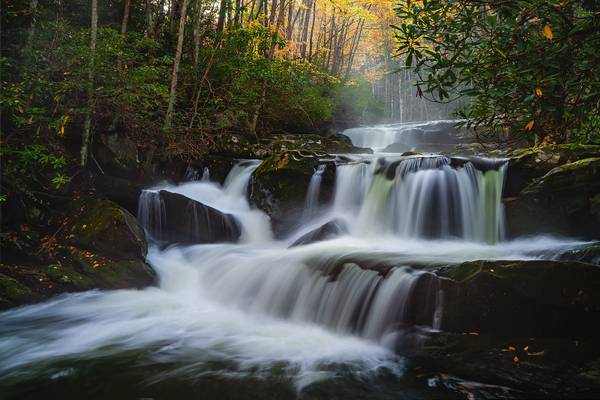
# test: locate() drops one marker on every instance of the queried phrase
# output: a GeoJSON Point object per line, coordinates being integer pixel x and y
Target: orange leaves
{"type": "Point", "coordinates": [538, 92]}
{"type": "Point", "coordinates": [516, 359]}
{"type": "Point", "coordinates": [548, 32]}
{"type": "Point", "coordinates": [529, 125]}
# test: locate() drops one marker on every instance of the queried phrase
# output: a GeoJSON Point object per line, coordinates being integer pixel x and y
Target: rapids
{"type": "Point", "coordinates": [331, 311]}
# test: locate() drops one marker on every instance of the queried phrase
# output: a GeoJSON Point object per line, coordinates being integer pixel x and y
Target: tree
{"type": "Point", "coordinates": [176, 62]}
{"type": "Point", "coordinates": [528, 67]}
{"type": "Point", "coordinates": [85, 142]}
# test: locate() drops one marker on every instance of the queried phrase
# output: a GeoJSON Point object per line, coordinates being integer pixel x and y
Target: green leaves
{"type": "Point", "coordinates": [513, 61]}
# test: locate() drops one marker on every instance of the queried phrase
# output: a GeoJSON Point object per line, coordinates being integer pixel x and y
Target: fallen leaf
{"type": "Point", "coordinates": [529, 125]}
{"type": "Point", "coordinates": [473, 334]}
{"type": "Point", "coordinates": [538, 92]}
{"type": "Point", "coordinates": [511, 348]}
{"type": "Point", "coordinates": [516, 360]}
{"type": "Point", "coordinates": [526, 349]}
{"type": "Point", "coordinates": [548, 32]}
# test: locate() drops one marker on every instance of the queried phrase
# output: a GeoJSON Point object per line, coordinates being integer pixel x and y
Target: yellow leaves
{"type": "Point", "coordinates": [62, 130]}
{"type": "Point", "coordinates": [548, 32]}
{"type": "Point", "coordinates": [529, 125]}
{"type": "Point", "coordinates": [538, 92]}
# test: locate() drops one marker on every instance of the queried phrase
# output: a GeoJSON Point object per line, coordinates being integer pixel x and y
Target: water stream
{"type": "Point", "coordinates": [320, 315]}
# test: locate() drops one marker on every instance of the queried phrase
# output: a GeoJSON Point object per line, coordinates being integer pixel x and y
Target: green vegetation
{"type": "Point", "coordinates": [528, 67]}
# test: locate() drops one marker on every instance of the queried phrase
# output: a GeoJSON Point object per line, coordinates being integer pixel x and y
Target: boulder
{"type": "Point", "coordinates": [565, 201]}
{"type": "Point", "coordinates": [98, 245]}
{"type": "Point", "coordinates": [522, 298]}
{"type": "Point", "coordinates": [174, 218]}
{"type": "Point", "coordinates": [526, 165]}
{"type": "Point", "coordinates": [326, 231]}
{"type": "Point", "coordinates": [280, 183]}
{"type": "Point", "coordinates": [588, 254]}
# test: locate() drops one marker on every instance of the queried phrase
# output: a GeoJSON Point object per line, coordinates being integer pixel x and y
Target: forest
{"type": "Point", "coordinates": [300, 199]}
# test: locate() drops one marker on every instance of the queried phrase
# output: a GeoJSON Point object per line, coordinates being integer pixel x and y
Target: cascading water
{"type": "Point", "coordinates": [334, 311]}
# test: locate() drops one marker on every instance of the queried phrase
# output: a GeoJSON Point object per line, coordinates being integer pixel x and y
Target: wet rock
{"type": "Point", "coordinates": [326, 231]}
{"type": "Point", "coordinates": [522, 298]}
{"type": "Point", "coordinates": [124, 192]}
{"type": "Point", "coordinates": [332, 144]}
{"type": "Point", "coordinates": [562, 202]}
{"type": "Point", "coordinates": [489, 366]}
{"type": "Point", "coordinates": [174, 218]}
{"type": "Point", "coordinates": [588, 254]}
{"type": "Point", "coordinates": [279, 185]}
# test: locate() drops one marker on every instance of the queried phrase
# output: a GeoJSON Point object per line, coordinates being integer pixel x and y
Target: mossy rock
{"type": "Point", "coordinates": [280, 183]}
{"type": "Point", "coordinates": [104, 226]}
{"type": "Point", "coordinates": [542, 298]}
{"type": "Point", "coordinates": [117, 155]}
{"type": "Point", "coordinates": [526, 165]}
{"type": "Point", "coordinates": [561, 202]}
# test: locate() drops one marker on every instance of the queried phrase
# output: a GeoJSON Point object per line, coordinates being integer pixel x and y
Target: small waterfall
{"type": "Point", "coordinates": [421, 197]}
{"type": "Point", "coordinates": [229, 199]}
{"type": "Point", "coordinates": [303, 285]}
{"type": "Point", "coordinates": [311, 204]}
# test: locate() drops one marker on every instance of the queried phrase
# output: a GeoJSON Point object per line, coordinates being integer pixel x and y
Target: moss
{"type": "Point", "coordinates": [578, 164]}
{"type": "Point", "coordinates": [12, 290]}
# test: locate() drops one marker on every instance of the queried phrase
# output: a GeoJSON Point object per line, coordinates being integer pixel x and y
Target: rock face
{"type": "Point", "coordinates": [99, 245]}
{"type": "Point", "coordinates": [280, 183]}
{"type": "Point", "coordinates": [326, 231]}
{"type": "Point", "coordinates": [565, 201]}
{"type": "Point", "coordinates": [174, 218]}
{"type": "Point", "coordinates": [522, 298]}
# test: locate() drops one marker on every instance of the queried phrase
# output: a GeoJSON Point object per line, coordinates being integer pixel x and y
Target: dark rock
{"type": "Point", "coordinates": [489, 366]}
{"type": "Point", "coordinates": [526, 165]}
{"type": "Point", "coordinates": [562, 202]}
{"type": "Point", "coordinates": [280, 183]}
{"type": "Point", "coordinates": [523, 298]}
{"type": "Point", "coordinates": [122, 191]}
{"type": "Point", "coordinates": [588, 254]}
{"type": "Point", "coordinates": [326, 231]}
{"type": "Point", "coordinates": [117, 155]}
{"type": "Point", "coordinates": [99, 245]}
{"type": "Point", "coordinates": [174, 218]}
{"type": "Point", "coordinates": [103, 226]}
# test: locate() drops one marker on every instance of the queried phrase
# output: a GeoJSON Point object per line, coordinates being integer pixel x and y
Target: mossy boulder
{"type": "Point", "coordinates": [280, 183]}
{"type": "Point", "coordinates": [103, 226]}
{"type": "Point", "coordinates": [587, 253]}
{"type": "Point", "coordinates": [332, 144]}
{"type": "Point", "coordinates": [97, 245]}
{"type": "Point", "coordinates": [117, 155]}
{"type": "Point", "coordinates": [526, 165]}
{"type": "Point", "coordinates": [562, 202]}
{"type": "Point", "coordinates": [526, 298]}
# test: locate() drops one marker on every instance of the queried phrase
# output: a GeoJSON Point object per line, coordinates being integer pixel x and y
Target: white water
{"type": "Point", "coordinates": [409, 134]}
{"type": "Point", "coordinates": [257, 304]}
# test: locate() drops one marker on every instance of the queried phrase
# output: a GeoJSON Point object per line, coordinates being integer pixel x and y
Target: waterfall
{"type": "Point", "coordinates": [311, 203]}
{"type": "Point", "coordinates": [229, 199]}
{"type": "Point", "coordinates": [421, 197]}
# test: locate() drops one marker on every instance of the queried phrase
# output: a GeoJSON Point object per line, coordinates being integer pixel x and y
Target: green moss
{"type": "Point", "coordinates": [578, 164]}
{"type": "Point", "coordinates": [13, 290]}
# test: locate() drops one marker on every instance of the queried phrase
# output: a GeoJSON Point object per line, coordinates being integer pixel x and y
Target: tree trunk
{"type": "Point", "coordinates": [149, 25]}
{"type": "Point", "coordinates": [222, 14]}
{"type": "Point", "coordinates": [176, 64]}
{"type": "Point", "coordinates": [354, 47]}
{"type": "Point", "coordinates": [125, 17]}
{"type": "Point", "coordinates": [290, 26]}
{"type": "Point", "coordinates": [85, 142]}
{"type": "Point", "coordinates": [33, 8]}
{"type": "Point", "coordinates": [312, 30]}
{"type": "Point", "coordinates": [196, 33]}
{"type": "Point", "coordinates": [304, 37]}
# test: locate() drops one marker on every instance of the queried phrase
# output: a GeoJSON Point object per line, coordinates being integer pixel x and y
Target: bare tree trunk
{"type": "Point", "coordinates": [221, 20]}
{"type": "Point", "coordinates": [196, 32]}
{"type": "Point", "coordinates": [176, 64]}
{"type": "Point", "coordinates": [148, 33]}
{"type": "Point", "coordinates": [85, 142]}
{"type": "Point", "coordinates": [304, 37]}
{"type": "Point", "coordinates": [290, 26]}
{"type": "Point", "coordinates": [312, 30]}
{"type": "Point", "coordinates": [354, 47]}
{"type": "Point", "coordinates": [33, 8]}
{"type": "Point", "coordinates": [125, 17]}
